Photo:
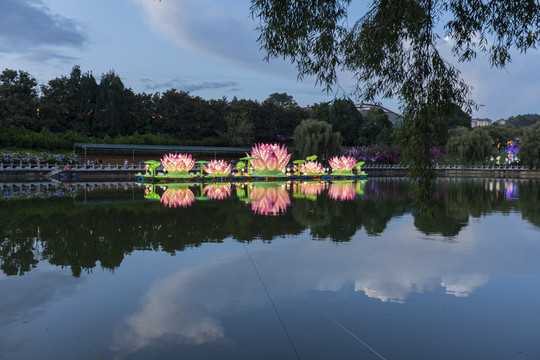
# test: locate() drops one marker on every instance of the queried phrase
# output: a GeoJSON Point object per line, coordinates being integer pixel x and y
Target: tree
{"type": "Point", "coordinates": [520, 121]}
{"type": "Point", "coordinates": [376, 128]}
{"type": "Point", "coordinates": [18, 98]}
{"type": "Point", "coordinates": [393, 52]}
{"type": "Point", "coordinates": [112, 106]}
{"type": "Point", "coordinates": [530, 147]}
{"type": "Point", "coordinates": [345, 118]}
{"type": "Point", "coordinates": [313, 137]}
{"type": "Point", "coordinates": [470, 145]}
{"type": "Point", "coordinates": [239, 130]}
{"type": "Point", "coordinates": [282, 99]}
{"type": "Point", "coordinates": [457, 118]}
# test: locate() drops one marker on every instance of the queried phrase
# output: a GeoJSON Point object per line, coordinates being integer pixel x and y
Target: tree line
{"type": "Point", "coordinates": [76, 108]}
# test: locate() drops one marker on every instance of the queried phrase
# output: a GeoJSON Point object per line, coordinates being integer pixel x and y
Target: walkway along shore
{"type": "Point", "coordinates": [44, 172]}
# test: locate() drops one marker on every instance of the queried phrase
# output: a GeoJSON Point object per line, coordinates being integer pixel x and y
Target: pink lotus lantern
{"type": "Point", "coordinates": [177, 163]}
{"type": "Point", "coordinates": [311, 188]}
{"type": "Point", "coordinates": [177, 197]}
{"type": "Point", "coordinates": [342, 191]}
{"type": "Point", "coordinates": [342, 165]}
{"type": "Point", "coordinates": [311, 168]}
{"type": "Point", "coordinates": [269, 200]}
{"type": "Point", "coordinates": [271, 159]}
{"type": "Point", "coordinates": [217, 191]}
{"type": "Point", "coordinates": [218, 168]}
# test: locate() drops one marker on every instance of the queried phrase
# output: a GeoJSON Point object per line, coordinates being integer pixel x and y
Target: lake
{"type": "Point", "coordinates": [342, 270]}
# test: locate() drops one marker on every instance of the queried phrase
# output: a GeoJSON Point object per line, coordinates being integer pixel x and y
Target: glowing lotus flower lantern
{"type": "Point", "coordinates": [342, 165]}
{"type": "Point", "coordinates": [175, 197]}
{"type": "Point", "coordinates": [218, 168]}
{"type": "Point", "coordinates": [217, 191]}
{"type": "Point", "coordinates": [269, 200]}
{"type": "Point", "coordinates": [311, 168]}
{"type": "Point", "coordinates": [311, 188]}
{"type": "Point", "coordinates": [179, 164]}
{"type": "Point", "coordinates": [271, 159]}
{"type": "Point", "coordinates": [342, 191]}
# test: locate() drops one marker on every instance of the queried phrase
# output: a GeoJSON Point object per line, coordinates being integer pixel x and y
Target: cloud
{"type": "Point", "coordinates": [224, 32]}
{"type": "Point", "coordinates": [501, 93]}
{"type": "Point", "coordinates": [186, 85]}
{"type": "Point", "coordinates": [28, 27]}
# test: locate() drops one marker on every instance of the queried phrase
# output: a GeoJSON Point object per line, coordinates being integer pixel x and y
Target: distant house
{"type": "Point", "coordinates": [501, 122]}
{"type": "Point", "coordinates": [480, 122]}
{"type": "Point", "coordinates": [395, 118]}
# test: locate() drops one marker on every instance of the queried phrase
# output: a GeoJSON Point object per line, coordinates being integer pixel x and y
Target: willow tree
{"type": "Point", "coordinates": [314, 137]}
{"type": "Point", "coordinates": [393, 52]}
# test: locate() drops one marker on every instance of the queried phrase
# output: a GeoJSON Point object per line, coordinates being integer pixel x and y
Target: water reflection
{"type": "Point", "coordinates": [410, 286]}
{"type": "Point", "coordinates": [177, 196]}
{"type": "Point", "coordinates": [390, 270]}
{"type": "Point", "coordinates": [269, 199]}
{"type": "Point", "coordinates": [218, 191]}
{"type": "Point", "coordinates": [59, 231]}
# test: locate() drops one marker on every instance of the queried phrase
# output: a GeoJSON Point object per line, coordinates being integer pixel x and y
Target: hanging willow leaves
{"type": "Point", "coordinates": [393, 52]}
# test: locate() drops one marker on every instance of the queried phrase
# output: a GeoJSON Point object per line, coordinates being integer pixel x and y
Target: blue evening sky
{"type": "Point", "coordinates": [206, 47]}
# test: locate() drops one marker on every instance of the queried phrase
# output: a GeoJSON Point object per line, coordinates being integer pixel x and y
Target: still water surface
{"type": "Point", "coordinates": [279, 271]}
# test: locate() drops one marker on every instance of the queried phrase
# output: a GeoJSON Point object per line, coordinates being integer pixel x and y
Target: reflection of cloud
{"type": "Point", "coordinates": [464, 285]}
{"type": "Point", "coordinates": [189, 305]}
{"type": "Point", "coordinates": [28, 27]}
{"type": "Point", "coordinates": [169, 310]}
{"type": "Point", "coordinates": [186, 306]}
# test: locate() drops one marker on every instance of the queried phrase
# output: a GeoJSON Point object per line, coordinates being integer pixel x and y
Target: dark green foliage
{"type": "Point", "coordinates": [282, 99]}
{"type": "Point", "coordinates": [502, 134]}
{"type": "Point", "coordinates": [345, 118]}
{"type": "Point", "coordinates": [470, 145]}
{"type": "Point", "coordinates": [239, 131]}
{"type": "Point", "coordinates": [458, 118]}
{"type": "Point", "coordinates": [313, 137]}
{"type": "Point", "coordinates": [376, 128]}
{"type": "Point", "coordinates": [530, 147]}
{"type": "Point", "coordinates": [520, 121]}
{"type": "Point", "coordinates": [18, 99]}
{"type": "Point", "coordinates": [109, 112]}
{"type": "Point", "coordinates": [320, 111]}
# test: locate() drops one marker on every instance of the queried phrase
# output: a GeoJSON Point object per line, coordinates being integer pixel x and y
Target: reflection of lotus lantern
{"type": "Point", "coordinates": [311, 188]}
{"type": "Point", "coordinates": [342, 191]}
{"type": "Point", "coordinates": [343, 164]}
{"type": "Point", "coordinates": [177, 197]}
{"type": "Point", "coordinates": [270, 158]}
{"type": "Point", "coordinates": [217, 191]}
{"type": "Point", "coordinates": [177, 163]}
{"type": "Point", "coordinates": [269, 200]}
{"type": "Point", "coordinates": [218, 168]}
{"type": "Point", "coordinates": [311, 168]}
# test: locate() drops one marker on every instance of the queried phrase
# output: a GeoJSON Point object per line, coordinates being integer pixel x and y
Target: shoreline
{"type": "Point", "coordinates": [34, 172]}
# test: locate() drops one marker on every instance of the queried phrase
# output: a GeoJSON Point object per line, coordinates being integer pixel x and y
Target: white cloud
{"type": "Point", "coordinates": [224, 31]}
